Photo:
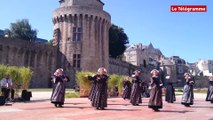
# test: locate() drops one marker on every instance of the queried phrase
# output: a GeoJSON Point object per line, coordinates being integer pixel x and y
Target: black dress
{"type": "Point", "coordinates": [188, 94]}
{"type": "Point", "coordinates": [135, 97]}
{"type": "Point", "coordinates": [99, 99]}
{"type": "Point", "coordinates": [155, 100]}
{"type": "Point", "coordinates": [58, 93]}
{"type": "Point", "coordinates": [92, 90]}
{"type": "Point", "coordinates": [170, 92]}
{"type": "Point", "coordinates": [209, 96]}
{"type": "Point", "coordinates": [127, 90]}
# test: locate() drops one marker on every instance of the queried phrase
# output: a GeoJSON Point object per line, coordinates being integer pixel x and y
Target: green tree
{"type": "Point", "coordinates": [117, 41]}
{"type": "Point", "coordinates": [22, 30]}
{"type": "Point", "coordinates": [7, 32]}
{"type": "Point", "coordinates": [50, 42]}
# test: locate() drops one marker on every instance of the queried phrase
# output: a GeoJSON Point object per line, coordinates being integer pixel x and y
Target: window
{"type": "Point", "coordinates": [76, 60]}
{"type": "Point", "coordinates": [77, 33]}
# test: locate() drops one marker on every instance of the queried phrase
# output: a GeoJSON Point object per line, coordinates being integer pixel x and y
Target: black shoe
{"type": "Point", "coordinates": [56, 105]}
{"type": "Point", "coordinates": [102, 108]}
{"type": "Point", "coordinates": [97, 108]}
{"type": "Point", "coordinates": [60, 106]}
{"type": "Point", "coordinates": [156, 109]}
{"type": "Point", "coordinates": [135, 104]}
{"type": "Point", "coordinates": [187, 105]}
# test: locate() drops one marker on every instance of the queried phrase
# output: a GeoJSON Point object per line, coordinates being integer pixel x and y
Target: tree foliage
{"type": "Point", "coordinates": [22, 30]}
{"type": "Point", "coordinates": [117, 41]}
{"type": "Point", "coordinates": [85, 84]}
{"type": "Point", "coordinates": [50, 42]}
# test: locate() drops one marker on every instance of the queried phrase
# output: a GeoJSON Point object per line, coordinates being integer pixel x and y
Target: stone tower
{"type": "Point", "coordinates": [81, 29]}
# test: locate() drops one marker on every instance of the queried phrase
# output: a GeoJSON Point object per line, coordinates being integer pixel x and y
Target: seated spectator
{"type": "Point", "coordinates": [7, 87]}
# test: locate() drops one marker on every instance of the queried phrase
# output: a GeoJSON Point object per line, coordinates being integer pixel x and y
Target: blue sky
{"type": "Point", "coordinates": [188, 35]}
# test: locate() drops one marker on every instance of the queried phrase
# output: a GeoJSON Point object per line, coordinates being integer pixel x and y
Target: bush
{"type": "Point", "coordinates": [21, 76]}
{"type": "Point", "coordinates": [116, 80]}
{"type": "Point", "coordinates": [85, 84]}
{"type": "Point", "coordinates": [3, 70]}
{"type": "Point", "coordinates": [200, 90]}
{"type": "Point", "coordinates": [15, 76]}
{"type": "Point", "coordinates": [72, 95]}
{"type": "Point", "coordinates": [178, 90]}
{"type": "Point", "coordinates": [26, 75]}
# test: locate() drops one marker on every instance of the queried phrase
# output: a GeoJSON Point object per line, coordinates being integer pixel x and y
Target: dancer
{"type": "Point", "coordinates": [135, 98]}
{"type": "Point", "coordinates": [99, 100]}
{"type": "Point", "coordinates": [170, 91]}
{"type": "Point", "coordinates": [188, 94]}
{"type": "Point", "coordinates": [92, 90]}
{"type": "Point", "coordinates": [155, 100]}
{"type": "Point", "coordinates": [209, 96]}
{"type": "Point", "coordinates": [127, 88]}
{"type": "Point", "coordinates": [58, 93]}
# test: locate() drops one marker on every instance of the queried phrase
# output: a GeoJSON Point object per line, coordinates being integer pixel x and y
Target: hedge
{"type": "Point", "coordinates": [21, 76]}
{"type": "Point", "coordinates": [85, 84]}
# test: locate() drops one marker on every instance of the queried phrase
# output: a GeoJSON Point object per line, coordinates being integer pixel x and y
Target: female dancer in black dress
{"type": "Point", "coordinates": [127, 88]}
{"type": "Point", "coordinates": [58, 94]}
{"type": "Point", "coordinates": [188, 94]}
{"type": "Point", "coordinates": [170, 90]}
{"type": "Point", "coordinates": [209, 96]}
{"type": "Point", "coordinates": [155, 100]}
{"type": "Point", "coordinates": [99, 97]}
{"type": "Point", "coordinates": [135, 97]}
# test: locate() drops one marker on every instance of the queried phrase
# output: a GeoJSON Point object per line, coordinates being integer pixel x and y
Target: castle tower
{"type": "Point", "coordinates": [81, 30]}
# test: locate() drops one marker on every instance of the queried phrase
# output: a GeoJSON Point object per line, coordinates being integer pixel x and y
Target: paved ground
{"type": "Point", "coordinates": [118, 109]}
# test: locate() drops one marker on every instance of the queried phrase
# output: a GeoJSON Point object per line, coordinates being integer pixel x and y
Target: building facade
{"type": "Point", "coordinates": [141, 55]}
{"type": "Point", "coordinates": [81, 33]}
{"type": "Point", "coordinates": [205, 67]}
{"type": "Point", "coordinates": [174, 67]}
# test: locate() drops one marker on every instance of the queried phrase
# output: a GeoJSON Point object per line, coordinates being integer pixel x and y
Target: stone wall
{"type": "Point", "coordinates": [45, 59]}
{"type": "Point", "coordinates": [42, 59]}
{"type": "Point", "coordinates": [200, 82]}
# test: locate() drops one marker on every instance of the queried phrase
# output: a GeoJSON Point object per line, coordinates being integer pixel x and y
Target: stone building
{"type": "Point", "coordinates": [205, 67]}
{"type": "Point", "coordinates": [141, 55]}
{"type": "Point", "coordinates": [81, 33]}
{"type": "Point", "coordinates": [193, 69]}
{"type": "Point", "coordinates": [169, 68]}
{"type": "Point", "coordinates": [175, 66]}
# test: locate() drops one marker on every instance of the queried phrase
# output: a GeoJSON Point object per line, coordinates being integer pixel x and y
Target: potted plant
{"type": "Point", "coordinates": [84, 83]}
{"type": "Point", "coordinates": [26, 75]}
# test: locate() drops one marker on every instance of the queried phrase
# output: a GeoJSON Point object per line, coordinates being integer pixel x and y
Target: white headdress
{"type": "Point", "coordinates": [56, 72]}
{"type": "Point", "coordinates": [154, 70]}
{"type": "Point", "coordinates": [186, 74]}
{"type": "Point", "coordinates": [136, 71]}
{"type": "Point", "coordinates": [102, 68]}
{"type": "Point", "coordinates": [167, 77]}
